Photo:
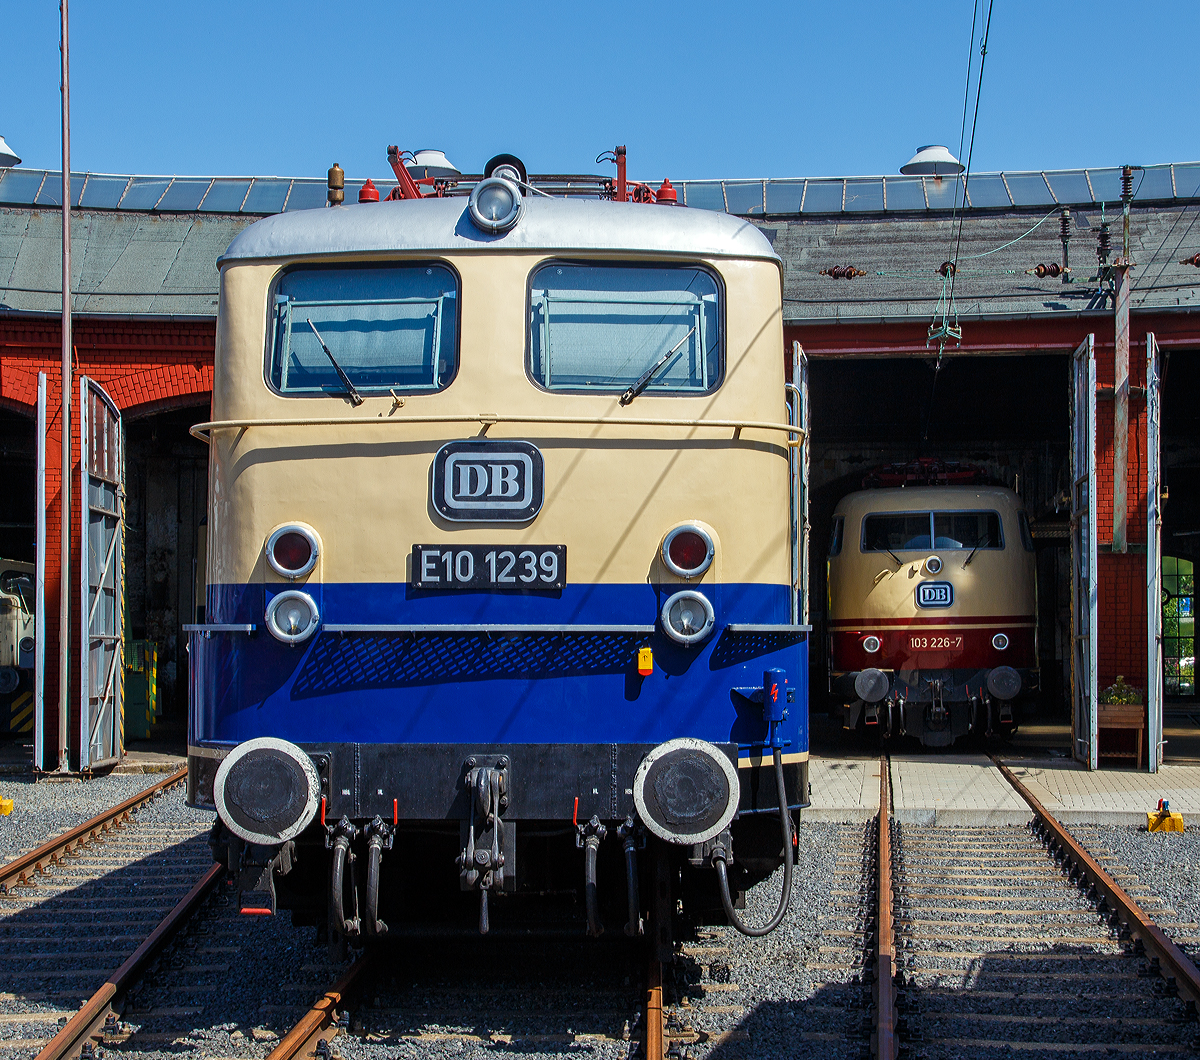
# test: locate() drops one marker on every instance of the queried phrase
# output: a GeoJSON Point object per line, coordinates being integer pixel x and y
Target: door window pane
{"type": "Point", "coordinates": [967, 530]}
{"type": "Point", "coordinates": [905, 530]}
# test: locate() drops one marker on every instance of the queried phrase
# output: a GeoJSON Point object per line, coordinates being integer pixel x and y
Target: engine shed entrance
{"type": "Point", "coordinates": [1006, 415]}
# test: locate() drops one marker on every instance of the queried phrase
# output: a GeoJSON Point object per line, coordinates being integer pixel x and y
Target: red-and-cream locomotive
{"type": "Point", "coordinates": [932, 611]}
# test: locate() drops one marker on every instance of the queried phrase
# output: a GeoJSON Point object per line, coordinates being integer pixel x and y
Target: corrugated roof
{"type": "Point", "coordinates": [148, 245]}
{"type": "Point", "coordinates": [129, 264]}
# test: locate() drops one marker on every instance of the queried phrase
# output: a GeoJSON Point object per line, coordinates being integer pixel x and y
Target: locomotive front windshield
{"type": "Point", "coordinates": [607, 328]}
{"type": "Point", "coordinates": [930, 530]}
{"type": "Point", "coordinates": [388, 327]}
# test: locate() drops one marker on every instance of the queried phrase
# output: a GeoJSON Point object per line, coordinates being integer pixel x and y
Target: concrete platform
{"type": "Point", "coordinates": [967, 789]}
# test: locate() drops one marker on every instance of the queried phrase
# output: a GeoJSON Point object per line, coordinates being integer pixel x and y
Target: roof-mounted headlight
{"type": "Point", "coordinates": [495, 205]}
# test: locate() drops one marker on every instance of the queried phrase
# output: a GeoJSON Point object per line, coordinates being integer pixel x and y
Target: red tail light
{"type": "Point", "coordinates": [687, 551]}
{"type": "Point", "coordinates": [292, 551]}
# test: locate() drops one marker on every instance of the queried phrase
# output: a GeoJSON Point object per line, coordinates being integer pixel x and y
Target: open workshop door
{"type": "Point", "coordinates": [102, 576]}
{"type": "Point", "coordinates": [1084, 579]}
{"type": "Point", "coordinates": [1154, 585]}
{"type": "Point", "coordinates": [798, 468]}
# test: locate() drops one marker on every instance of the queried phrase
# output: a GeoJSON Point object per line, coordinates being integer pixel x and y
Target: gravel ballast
{"type": "Point", "coordinates": [48, 808]}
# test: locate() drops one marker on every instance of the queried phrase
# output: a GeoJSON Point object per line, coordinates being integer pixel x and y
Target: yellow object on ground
{"type": "Point", "coordinates": [1164, 822]}
{"type": "Point", "coordinates": [6, 807]}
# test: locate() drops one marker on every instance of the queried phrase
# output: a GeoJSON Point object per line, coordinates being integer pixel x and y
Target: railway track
{"type": "Point", "coordinates": [98, 904]}
{"type": "Point", "coordinates": [1015, 940]}
{"type": "Point", "coordinates": [533, 994]}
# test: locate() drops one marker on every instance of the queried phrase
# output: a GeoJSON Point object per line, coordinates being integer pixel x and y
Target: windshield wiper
{"type": "Point", "coordinates": [977, 547]}
{"type": "Point", "coordinates": [894, 556]}
{"type": "Point", "coordinates": [355, 397]}
{"type": "Point", "coordinates": [652, 371]}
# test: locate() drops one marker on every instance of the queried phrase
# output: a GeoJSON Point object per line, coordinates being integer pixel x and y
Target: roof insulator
{"type": "Point", "coordinates": [368, 192]}
{"type": "Point", "coordinates": [666, 194]}
{"type": "Point", "coordinates": [947, 268]}
{"type": "Point", "coordinates": [1041, 271]}
{"type": "Point", "coordinates": [842, 272]}
{"type": "Point", "coordinates": [1193, 260]}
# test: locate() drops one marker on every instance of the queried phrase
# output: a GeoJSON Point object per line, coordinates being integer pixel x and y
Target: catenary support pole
{"type": "Point", "coordinates": [66, 389]}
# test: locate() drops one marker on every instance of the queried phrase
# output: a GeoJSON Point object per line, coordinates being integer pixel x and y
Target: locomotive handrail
{"type": "Point", "coordinates": [203, 430]}
{"type": "Point", "coordinates": [482, 627]}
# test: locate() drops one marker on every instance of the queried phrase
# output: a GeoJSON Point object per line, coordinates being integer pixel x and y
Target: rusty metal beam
{"type": "Point", "coordinates": [885, 935]}
{"type": "Point", "coordinates": [655, 1043]}
{"type": "Point", "coordinates": [23, 869]}
{"type": "Point", "coordinates": [88, 1022]}
{"type": "Point", "coordinates": [1173, 961]}
{"type": "Point", "coordinates": [319, 1021]}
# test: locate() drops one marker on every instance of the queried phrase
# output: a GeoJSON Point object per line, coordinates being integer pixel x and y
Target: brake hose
{"type": "Point", "coordinates": [720, 856]}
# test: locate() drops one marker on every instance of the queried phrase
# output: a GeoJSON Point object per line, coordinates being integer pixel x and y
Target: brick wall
{"type": "Point", "coordinates": [144, 366]}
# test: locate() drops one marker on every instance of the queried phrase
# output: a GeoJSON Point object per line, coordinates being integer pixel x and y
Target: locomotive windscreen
{"type": "Point", "coordinates": [598, 327]}
{"type": "Point", "coordinates": [926, 530]}
{"type": "Point", "coordinates": [388, 327]}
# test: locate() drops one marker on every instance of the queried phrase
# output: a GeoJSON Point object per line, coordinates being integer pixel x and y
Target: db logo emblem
{"type": "Point", "coordinates": [488, 481]}
{"type": "Point", "coordinates": [935, 594]}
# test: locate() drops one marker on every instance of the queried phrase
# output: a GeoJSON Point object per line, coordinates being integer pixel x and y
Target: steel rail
{"type": "Point", "coordinates": [885, 935]}
{"type": "Point", "coordinates": [90, 1020]}
{"type": "Point", "coordinates": [656, 1046]}
{"type": "Point", "coordinates": [22, 869]}
{"type": "Point", "coordinates": [1172, 959]}
{"type": "Point", "coordinates": [315, 1024]}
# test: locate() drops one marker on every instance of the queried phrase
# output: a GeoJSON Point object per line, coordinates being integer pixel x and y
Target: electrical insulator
{"type": "Point", "coordinates": [1193, 260]}
{"type": "Point", "coordinates": [1064, 226]}
{"type": "Point", "coordinates": [1126, 183]}
{"type": "Point", "coordinates": [842, 272]}
{"type": "Point", "coordinates": [1042, 271]}
{"type": "Point", "coordinates": [947, 268]}
{"type": "Point", "coordinates": [1103, 243]}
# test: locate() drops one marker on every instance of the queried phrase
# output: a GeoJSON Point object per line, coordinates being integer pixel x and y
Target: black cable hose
{"type": "Point", "coordinates": [591, 848]}
{"type": "Point", "coordinates": [634, 927]}
{"type": "Point", "coordinates": [340, 846]}
{"type": "Point", "coordinates": [375, 926]}
{"type": "Point", "coordinates": [785, 895]}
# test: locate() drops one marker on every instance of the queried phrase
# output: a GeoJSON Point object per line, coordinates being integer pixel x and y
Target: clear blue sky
{"type": "Point", "coordinates": [694, 89]}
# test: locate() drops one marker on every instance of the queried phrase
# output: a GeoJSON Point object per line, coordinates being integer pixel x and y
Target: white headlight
{"type": "Point", "coordinates": [687, 617]}
{"type": "Point", "coordinates": [871, 644]}
{"type": "Point", "coordinates": [1000, 642]}
{"type": "Point", "coordinates": [292, 616]}
{"type": "Point", "coordinates": [495, 205]}
{"type": "Point", "coordinates": [933, 564]}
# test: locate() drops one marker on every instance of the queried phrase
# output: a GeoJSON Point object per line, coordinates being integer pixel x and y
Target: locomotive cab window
{"type": "Point", "coordinates": [921, 531]}
{"type": "Point", "coordinates": [387, 327]}
{"type": "Point", "coordinates": [613, 329]}
{"type": "Point", "coordinates": [835, 535]}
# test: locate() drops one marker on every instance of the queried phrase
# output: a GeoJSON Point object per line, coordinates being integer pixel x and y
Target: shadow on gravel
{"type": "Point", "coordinates": [1067, 999]}
{"type": "Point", "coordinates": [65, 945]}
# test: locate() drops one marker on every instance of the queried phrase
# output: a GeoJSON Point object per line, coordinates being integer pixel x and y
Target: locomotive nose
{"type": "Point", "coordinates": [267, 791]}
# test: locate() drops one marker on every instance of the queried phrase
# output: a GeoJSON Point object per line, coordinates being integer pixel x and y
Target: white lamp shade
{"type": "Point", "coordinates": [430, 163]}
{"type": "Point", "coordinates": [932, 161]}
{"type": "Point", "coordinates": [7, 158]}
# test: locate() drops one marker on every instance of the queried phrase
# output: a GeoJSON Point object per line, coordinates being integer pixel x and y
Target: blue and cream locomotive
{"type": "Point", "coordinates": [501, 562]}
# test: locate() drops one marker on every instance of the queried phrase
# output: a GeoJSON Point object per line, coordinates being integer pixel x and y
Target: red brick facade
{"type": "Point", "coordinates": [145, 366]}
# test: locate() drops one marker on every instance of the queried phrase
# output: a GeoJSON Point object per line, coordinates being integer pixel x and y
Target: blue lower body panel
{"type": "Point", "coordinates": [488, 688]}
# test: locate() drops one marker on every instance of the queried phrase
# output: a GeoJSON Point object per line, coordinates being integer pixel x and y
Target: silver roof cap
{"type": "Point", "coordinates": [444, 226]}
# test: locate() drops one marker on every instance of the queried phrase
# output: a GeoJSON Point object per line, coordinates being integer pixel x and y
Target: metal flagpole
{"type": "Point", "coordinates": [64, 596]}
